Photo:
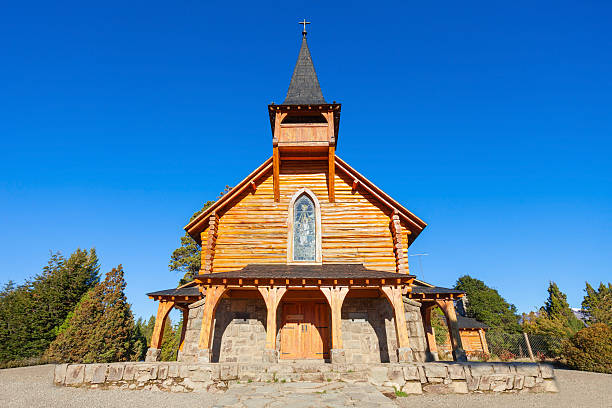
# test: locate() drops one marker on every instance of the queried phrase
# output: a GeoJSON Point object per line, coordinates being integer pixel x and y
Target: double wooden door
{"type": "Point", "coordinates": [305, 331]}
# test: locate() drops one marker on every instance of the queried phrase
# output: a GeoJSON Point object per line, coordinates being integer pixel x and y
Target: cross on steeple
{"type": "Point", "coordinates": [304, 24]}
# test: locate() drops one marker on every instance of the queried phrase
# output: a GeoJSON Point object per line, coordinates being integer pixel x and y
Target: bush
{"type": "Point", "coordinates": [590, 349]}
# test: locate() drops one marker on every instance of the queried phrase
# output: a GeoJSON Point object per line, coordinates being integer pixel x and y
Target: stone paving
{"type": "Point", "coordinates": [303, 395]}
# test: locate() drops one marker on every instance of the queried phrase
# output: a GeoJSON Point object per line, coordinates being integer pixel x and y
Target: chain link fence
{"type": "Point", "coordinates": [518, 346]}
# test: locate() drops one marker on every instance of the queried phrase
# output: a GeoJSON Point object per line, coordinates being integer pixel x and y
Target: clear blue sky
{"type": "Point", "coordinates": [492, 122]}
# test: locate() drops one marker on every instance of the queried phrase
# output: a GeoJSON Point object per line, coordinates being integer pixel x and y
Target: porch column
{"type": "Point", "coordinates": [483, 341]}
{"type": "Point", "coordinates": [272, 297]}
{"type": "Point", "coordinates": [432, 347]}
{"type": "Point", "coordinates": [154, 351]}
{"type": "Point", "coordinates": [394, 295]}
{"type": "Point", "coordinates": [213, 294]}
{"type": "Point", "coordinates": [448, 307]}
{"type": "Point", "coordinates": [335, 297]}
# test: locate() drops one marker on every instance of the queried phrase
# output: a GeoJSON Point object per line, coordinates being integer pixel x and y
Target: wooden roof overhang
{"type": "Point", "coordinates": [304, 276]}
{"type": "Point", "coordinates": [414, 224]}
{"type": "Point", "coordinates": [433, 293]}
{"type": "Point", "coordinates": [306, 109]}
{"type": "Point", "coordinates": [188, 293]}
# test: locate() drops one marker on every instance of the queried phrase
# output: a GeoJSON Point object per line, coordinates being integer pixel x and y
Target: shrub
{"type": "Point", "coordinates": [507, 355]}
{"type": "Point", "coordinates": [590, 349]}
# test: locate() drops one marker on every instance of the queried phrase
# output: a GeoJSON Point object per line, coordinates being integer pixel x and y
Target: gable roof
{"type": "Point", "coordinates": [414, 223]}
{"type": "Point", "coordinates": [304, 88]}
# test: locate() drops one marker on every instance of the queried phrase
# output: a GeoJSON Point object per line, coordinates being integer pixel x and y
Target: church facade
{"type": "Point", "coordinates": [306, 259]}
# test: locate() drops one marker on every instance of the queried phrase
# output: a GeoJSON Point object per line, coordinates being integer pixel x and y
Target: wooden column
{"type": "Point", "coordinates": [160, 322]}
{"type": "Point", "coordinates": [213, 294]}
{"type": "Point", "coordinates": [331, 174]}
{"type": "Point", "coordinates": [154, 351]}
{"type": "Point", "coordinates": [432, 347]}
{"type": "Point", "coordinates": [272, 297]}
{"type": "Point", "coordinates": [185, 311]}
{"type": "Point", "coordinates": [335, 297]}
{"type": "Point", "coordinates": [211, 243]}
{"type": "Point", "coordinates": [394, 295]}
{"type": "Point", "coordinates": [448, 307]}
{"type": "Point", "coordinates": [483, 341]}
{"type": "Point", "coordinates": [401, 262]}
{"type": "Point", "coordinates": [276, 173]}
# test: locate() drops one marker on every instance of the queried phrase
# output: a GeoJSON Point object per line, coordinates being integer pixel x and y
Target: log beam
{"type": "Point", "coordinates": [276, 173]}
{"type": "Point", "coordinates": [394, 296]}
{"type": "Point", "coordinates": [401, 263]}
{"type": "Point", "coordinates": [448, 307]}
{"type": "Point", "coordinates": [211, 243]}
{"type": "Point", "coordinates": [213, 294]}
{"type": "Point", "coordinates": [335, 297]}
{"type": "Point", "coordinates": [331, 174]}
{"type": "Point", "coordinates": [272, 297]}
{"type": "Point", "coordinates": [432, 347]}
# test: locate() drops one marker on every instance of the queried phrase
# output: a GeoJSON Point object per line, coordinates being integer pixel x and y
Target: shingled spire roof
{"type": "Point", "coordinates": [304, 88]}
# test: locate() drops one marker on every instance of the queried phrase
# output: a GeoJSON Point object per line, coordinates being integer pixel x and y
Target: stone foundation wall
{"type": "Point", "coordinates": [239, 332]}
{"type": "Point", "coordinates": [413, 378]}
{"type": "Point", "coordinates": [368, 331]}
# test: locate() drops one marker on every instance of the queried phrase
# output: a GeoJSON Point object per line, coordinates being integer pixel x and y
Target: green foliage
{"type": "Point", "coordinates": [186, 258]}
{"type": "Point", "coordinates": [555, 318]}
{"type": "Point", "coordinates": [438, 322]}
{"type": "Point", "coordinates": [170, 342]}
{"type": "Point", "coordinates": [101, 328]}
{"type": "Point", "coordinates": [485, 304]}
{"type": "Point", "coordinates": [31, 315]}
{"type": "Point", "coordinates": [590, 349]}
{"type": "Point", "coordinates": [598, 303]}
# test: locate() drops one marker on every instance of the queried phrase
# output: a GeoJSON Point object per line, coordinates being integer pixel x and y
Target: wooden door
{"type": "Point", "coordinates": [305, 331]}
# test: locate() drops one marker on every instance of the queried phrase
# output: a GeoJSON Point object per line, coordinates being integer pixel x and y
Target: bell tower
{"type": "Point", "coordinates": [304, 126]}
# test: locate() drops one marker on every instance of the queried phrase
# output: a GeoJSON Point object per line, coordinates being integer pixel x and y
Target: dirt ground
{"type": "Point", "coordinates": [33, 387]}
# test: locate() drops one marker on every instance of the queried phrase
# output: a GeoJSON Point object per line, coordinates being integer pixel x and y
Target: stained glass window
{"type": "Point", "coordinates": [304, 230]}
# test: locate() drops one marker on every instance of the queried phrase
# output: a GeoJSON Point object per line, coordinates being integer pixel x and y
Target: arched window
{"type": "Point", "coordinates": [304, 232]}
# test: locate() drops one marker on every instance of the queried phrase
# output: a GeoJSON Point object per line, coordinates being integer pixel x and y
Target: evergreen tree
{"type": "Point", "coordinates": [485, 304]}
{"type": "Point", "coordinates": [598, 303]}
{"type": "Point", "coordinates": [101, 328]}
{"type": "Point", "coordinates": [170, 342]}
{"type": "Point", "coordinates": [555, 318]}
{"type": "Point", "coordinates": [31, 314]}
{"type": "Point", "coordinates": [186, 259]}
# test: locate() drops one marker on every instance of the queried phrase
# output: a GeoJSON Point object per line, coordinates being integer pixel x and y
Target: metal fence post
{"type": "Point", "coordinates": [528, 347]}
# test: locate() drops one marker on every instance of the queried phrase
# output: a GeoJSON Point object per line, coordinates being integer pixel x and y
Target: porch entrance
{"type": "Point", "coordinates": [305, 331]}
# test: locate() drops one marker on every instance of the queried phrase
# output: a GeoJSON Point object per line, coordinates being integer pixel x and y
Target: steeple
{"type": "Point", "coordinates": [304, 88]}
{"type": "Point", "coordinates": [304, 126]}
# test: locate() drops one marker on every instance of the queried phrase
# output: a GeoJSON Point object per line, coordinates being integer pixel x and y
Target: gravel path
{"type": "Point", "coordinates": [32, 387]}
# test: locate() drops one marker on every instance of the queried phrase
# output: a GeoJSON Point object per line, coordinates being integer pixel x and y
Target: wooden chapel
{"type": "Point", "coordinates": [306, 258]}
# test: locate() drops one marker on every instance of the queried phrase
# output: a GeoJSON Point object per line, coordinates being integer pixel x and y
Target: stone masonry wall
{"type": "Point", "coordinates": [411, 378]}
{"type": "Point", "coordinates": [239, 333]}
{"type": "Point", "coordinates": [368, 331]}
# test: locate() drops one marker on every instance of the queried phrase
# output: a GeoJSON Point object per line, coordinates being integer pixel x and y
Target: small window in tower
{"type": "Point", "coordinates": [316, 118]}
{"type": "Point", "coordinates": [304, 229]}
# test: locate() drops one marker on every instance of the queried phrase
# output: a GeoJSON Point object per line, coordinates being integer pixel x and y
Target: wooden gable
{"type": "Point", "coordinates": [250, 227]}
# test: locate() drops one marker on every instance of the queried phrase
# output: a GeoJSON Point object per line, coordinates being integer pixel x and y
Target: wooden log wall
{"type": "Point", "coordinates": [355, 229]}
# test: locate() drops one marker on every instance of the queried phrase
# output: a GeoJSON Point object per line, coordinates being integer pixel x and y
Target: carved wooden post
{"type": "Point", "coordinates": [394, 295]}
{"type": "Point", "coordinates": [335, 297]}
{"type": "Point", "coordinates": [213, 294]}
{"type": "Point", "coordinates": [272, 297]}
{"type": "Point", "coordinates": [154, 351]}
{"type": "Point", "coordinates": [432, 347]}
{"type": "Point", "coordinates": [448, 307]}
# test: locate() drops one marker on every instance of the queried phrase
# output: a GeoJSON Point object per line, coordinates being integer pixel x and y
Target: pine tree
{"type": "Point", "coordinates": [598, 303]}
{"type": "Point", "coordinates": [170, 344]}
{"type": "Point", "coordinates": [555, 318]}
{"type": "Point", "coordinates": [101, 328]}
{"type": "Point", "coordinates": [31, 314]}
